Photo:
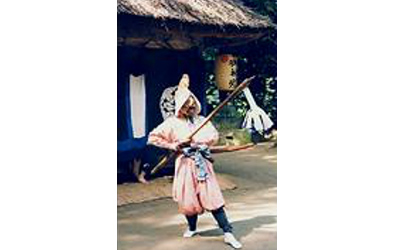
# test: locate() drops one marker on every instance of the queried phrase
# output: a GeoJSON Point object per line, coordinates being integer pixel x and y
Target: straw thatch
{"type": "Point", "coordinates": [210, 12]}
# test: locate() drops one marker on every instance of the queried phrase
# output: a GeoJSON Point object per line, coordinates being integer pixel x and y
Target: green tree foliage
{"type": "Point", "coordinates": [257, 58]}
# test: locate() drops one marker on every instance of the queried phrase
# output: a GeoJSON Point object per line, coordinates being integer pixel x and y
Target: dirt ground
{"type": "Point", "coordinates": [251, 208]}
{"type": "Point", "coordinates": [158, 188]}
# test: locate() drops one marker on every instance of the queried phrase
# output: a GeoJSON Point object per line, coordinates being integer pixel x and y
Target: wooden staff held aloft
{"type": "Point", "coordinates": [233, 94]}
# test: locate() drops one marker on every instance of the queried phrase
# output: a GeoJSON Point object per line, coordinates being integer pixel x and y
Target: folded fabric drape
{"type": "Point", "coordinates": [256, 118]}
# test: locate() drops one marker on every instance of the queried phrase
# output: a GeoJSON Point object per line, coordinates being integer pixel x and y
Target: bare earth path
{"type": "Point", "coordinates": [251, 208]}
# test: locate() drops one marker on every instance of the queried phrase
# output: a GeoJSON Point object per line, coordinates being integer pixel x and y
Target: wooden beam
{"type": "Point", "coordinates": [153, 43]}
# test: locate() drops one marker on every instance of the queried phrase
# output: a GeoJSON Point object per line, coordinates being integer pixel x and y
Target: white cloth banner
{"type": "Point", "coordinates": [137, 95]}
{"type": "Point", "coordinates": [256, 118]}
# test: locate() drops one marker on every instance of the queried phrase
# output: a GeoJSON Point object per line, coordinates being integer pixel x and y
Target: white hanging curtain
{"type": "Point", "coordinates": [137, 98]}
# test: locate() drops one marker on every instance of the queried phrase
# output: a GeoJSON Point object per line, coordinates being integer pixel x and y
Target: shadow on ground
{"type": "Point", "coordinates": [251, 208]}
{"type": "Point", "coordinates": [243, 227]}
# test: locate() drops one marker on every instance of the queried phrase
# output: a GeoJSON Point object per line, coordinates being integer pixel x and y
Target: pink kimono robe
{"type": "Point", "coordinates": [193, 196]}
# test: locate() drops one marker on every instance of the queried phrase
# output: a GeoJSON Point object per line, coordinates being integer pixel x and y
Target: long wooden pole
{"type": "Point", "coordinates": [233, 94]}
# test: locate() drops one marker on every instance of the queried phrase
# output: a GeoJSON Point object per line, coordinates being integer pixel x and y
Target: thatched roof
{"type": "Point", "coordinates": [210, 12]}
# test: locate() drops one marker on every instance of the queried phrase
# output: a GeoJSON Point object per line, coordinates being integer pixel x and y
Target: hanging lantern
{"type": "Point", "coordinates": [225, 72]}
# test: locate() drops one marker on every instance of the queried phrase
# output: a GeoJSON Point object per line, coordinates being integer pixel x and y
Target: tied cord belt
{"type": "Point", "coordinates": [199, 155]}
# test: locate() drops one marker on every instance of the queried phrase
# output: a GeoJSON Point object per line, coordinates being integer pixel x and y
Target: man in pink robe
{"type": "Point", "coordinates": [195, 187]}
